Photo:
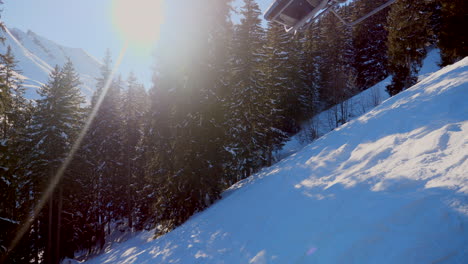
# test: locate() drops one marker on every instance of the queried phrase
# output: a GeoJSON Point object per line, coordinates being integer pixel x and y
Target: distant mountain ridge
{"type": "Point", "coordinates": [37, 56]}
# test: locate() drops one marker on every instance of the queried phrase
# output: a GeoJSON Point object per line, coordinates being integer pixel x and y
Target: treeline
{"type": "Point", "coordinates": [224, 98]}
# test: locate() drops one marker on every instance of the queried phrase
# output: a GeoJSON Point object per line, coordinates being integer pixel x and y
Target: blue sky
{"type": "Point", "coordinates": [82, 24]}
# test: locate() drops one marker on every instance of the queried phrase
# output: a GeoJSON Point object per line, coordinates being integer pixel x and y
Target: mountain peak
{"type": "Point", "coordinates": [38, 55]}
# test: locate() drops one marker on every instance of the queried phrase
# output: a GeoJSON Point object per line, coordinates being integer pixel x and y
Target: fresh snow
{"type": "Point", "coordinates": [388, 187]}
{"type": "Point", "coordinates": [37, 56]}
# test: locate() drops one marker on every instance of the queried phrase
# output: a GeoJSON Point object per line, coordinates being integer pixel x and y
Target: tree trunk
{"type": "Point", "coordinates": [36, 246]}
{"type": "Point", "coordinates": [48, 251]}
{"type": "Point", "coordinates": [59, 226]}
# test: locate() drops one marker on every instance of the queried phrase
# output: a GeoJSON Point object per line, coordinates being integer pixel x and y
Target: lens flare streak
{"type": "Point", "coordinates": [58, 176]}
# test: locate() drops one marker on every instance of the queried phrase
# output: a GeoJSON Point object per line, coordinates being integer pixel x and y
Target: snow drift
{"type": "Point", "coordinates": [388, 187]}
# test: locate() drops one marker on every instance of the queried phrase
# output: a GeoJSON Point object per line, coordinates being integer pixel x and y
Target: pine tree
{"type": "Point", "coordinates": [298, 93]}
{"type": "Point", "coordinates": [409, 32]}
{"type": "Point", "coordinates": [453, 40]}
{"type": "Point", "coordinates": [370, 41]}
{"type": "Point", "coordinates": [277, 68]}
{"type": "Point", "coordinates": [12, 95]}
{"type": "Point", "coordinates": [134, 105]}
{"type": "Point", "coordinates": [15, 202]}
{"type": "Point", "coordinates": [185, 131]}
{"type": "Point", "coordinates": [56, 122]}
{"type": "Point", "coordinates": [336, 67]}
{"type": "Point", "coordinates": [246, 125]}
{"type": "Point", "coordinates": [310, 66]}
{"type": "Point", "coordinates": [215, 91]}
{"type": "Point", "coordinates": [283, 77]}
{"type": "Point", "coordinates": [158, 150]}
{"type": "Point", "coordinates": [102, 152]}
{"type": "Point", "coordinates": [70, 188]}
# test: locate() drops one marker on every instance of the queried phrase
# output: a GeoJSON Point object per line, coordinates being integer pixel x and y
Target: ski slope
{"type": "Point", "coordinates": [388, 187]}
{"type": "Point", "coordinates": [37, 56]}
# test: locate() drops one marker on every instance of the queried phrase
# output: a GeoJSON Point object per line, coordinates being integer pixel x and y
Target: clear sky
{"type": "Point", "coordinates": [85, 24]}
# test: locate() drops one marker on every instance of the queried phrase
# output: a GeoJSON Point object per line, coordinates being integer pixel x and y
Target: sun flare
{"type": "Point", "coordinates": [138, 21]}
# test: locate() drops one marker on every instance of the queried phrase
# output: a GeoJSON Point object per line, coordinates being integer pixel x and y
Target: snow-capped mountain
{"type": "Point", "coordinates": [37, 56]}
{"type": "Point", "coordinates": [388, 187]}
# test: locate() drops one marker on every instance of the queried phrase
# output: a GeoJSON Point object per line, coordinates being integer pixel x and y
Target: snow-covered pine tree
{"type": "Point", "coordinates": [408, 33]}
{"type": "Point", "coordinates": [297, 94]}
{"type": "Point", "coordinates": [102, 150]}
{"type": "Point", "coordinates": [114, 151]}
{"type": "Point", "coordinates": [310, 66]}
{"type": "Point", "coordinates": [187, 163]}
{"type": "Point", "coordinates": [336, 71]}
{"type": "Point", "coordinates": [134, 105]}
{"type": "Point", "coordinates": [13, 105]}
{"type": "Point", "coordinates": [56, 123]}
{"type": "Point", "coordinates": [69, 190]}
{"type": "Point", "coordinates": [278, 89]}
{"type": "Point", "coordinates": [158, 151]}
{"type": "Point", "coordinates": [247, 122]}
{"type": "Point", "coordinates": [213, 111]}
{"type": "Point", "coordinates": [15, 201]}
{"type": "Point", "coordinates": [370, 42]}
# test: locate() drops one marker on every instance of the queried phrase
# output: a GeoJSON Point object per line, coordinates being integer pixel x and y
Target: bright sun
{"type": "Point", "coordinates": [138, 21]}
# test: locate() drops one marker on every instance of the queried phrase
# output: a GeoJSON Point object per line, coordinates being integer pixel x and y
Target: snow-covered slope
{"type": "Point", "coordinates": [356, 106]}
{"type": "Point", "coordinates": [388, 187]}
{"type": "Point", "coordinates": [37, 56]}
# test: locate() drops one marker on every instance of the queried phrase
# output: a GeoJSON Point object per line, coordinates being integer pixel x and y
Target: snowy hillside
{"type": "Point", "coordinates": [388, 187]}
{"type": "Point", "coordinates": [37, 56]}
{"type": "Point", "coordinates": [356, 106]}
